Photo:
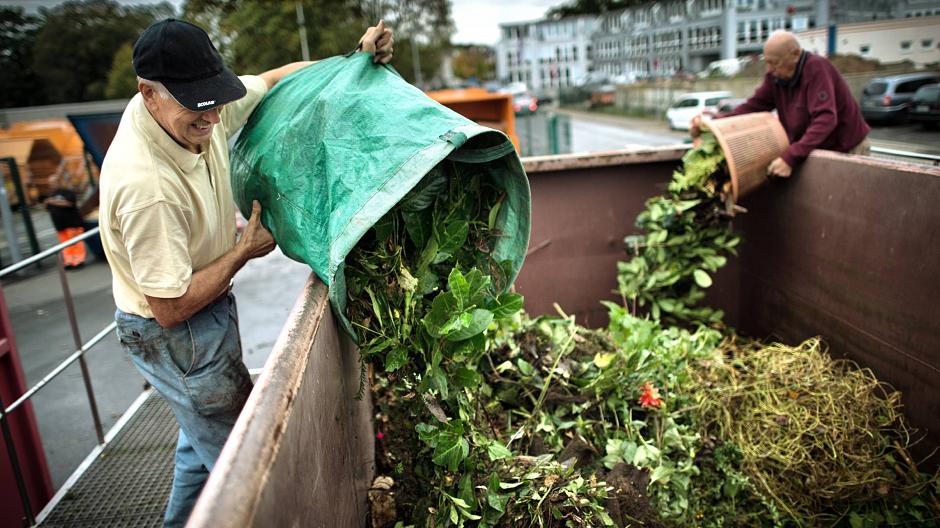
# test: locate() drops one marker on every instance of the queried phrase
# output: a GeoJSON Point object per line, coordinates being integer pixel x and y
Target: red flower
{"type": "Point", "coordinates": [650, 396]}
{"type": "Point", "coordinates": [379, 435]}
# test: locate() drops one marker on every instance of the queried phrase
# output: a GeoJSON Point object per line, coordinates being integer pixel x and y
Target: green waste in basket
{"type": "Point", "coordinates": [336, 145]}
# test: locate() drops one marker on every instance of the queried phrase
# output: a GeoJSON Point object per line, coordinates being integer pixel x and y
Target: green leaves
{"type": "Point", "coordinates": [686, 235]}
{"type": "Point", "coordinates": [447, 440]}
{"type": "Point", "coordinates": [702, 278]}
{"type": "Point", "coordinates": [457, 314]}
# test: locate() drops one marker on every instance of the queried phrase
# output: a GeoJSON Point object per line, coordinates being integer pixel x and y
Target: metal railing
{"type": "Point", "coordinates": [78, 355]}
{"type": "Point", "coordinates": [932, 158]}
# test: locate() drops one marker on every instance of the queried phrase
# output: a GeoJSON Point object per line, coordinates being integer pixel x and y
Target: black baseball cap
{"type": "Point", "coordinates": [181, 56]}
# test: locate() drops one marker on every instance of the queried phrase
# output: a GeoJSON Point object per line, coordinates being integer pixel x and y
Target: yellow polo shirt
{"type": "Point", "coordinates": [167, 212]}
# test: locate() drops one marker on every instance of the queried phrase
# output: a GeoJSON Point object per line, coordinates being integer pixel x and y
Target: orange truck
{"type": "Point", "coordinates": [48, 153]}
{"type": "Point", "coordinates": [493, 110]}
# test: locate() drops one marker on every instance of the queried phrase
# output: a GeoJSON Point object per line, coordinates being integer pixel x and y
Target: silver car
{"type": "Point", "coordinates": [889, 98]}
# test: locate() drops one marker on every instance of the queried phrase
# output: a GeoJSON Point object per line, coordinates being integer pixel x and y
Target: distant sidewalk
{"type": "Point", "coordinates": [651, 124]}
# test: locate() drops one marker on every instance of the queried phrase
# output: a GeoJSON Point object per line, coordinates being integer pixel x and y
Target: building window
{"type": "Point", "coordinates": [926, 43]}
{"type": "Point", "coordinates": [905, 45]}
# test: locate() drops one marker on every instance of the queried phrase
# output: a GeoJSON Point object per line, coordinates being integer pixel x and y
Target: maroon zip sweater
{"type": "Point", "coordinates": [816, 109]}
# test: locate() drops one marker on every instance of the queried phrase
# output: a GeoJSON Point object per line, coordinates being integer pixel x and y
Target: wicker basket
{"type": "Point", "coordinates": [750, 142]}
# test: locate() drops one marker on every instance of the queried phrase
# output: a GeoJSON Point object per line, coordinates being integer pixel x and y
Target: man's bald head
{"type": "Point", "coordinates": [781, 54]}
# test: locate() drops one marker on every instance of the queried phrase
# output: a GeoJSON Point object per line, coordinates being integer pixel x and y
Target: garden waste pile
{"type": "Point", "coordinates": [487, 417]}
{"type": "Point", "coordinates": [418, 221]}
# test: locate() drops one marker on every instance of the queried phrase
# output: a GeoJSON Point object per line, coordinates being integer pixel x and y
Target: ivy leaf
{"type": "Point", "coordinates": [441, 318]}
{"type": "Point", "coordinates": [451, 238]}
{"type": "Point", "coordinates": [525, 367]}
{"type": "Point", "coordinates": [477, 283]}
{"type": "Point", "coordinates": [467, 378]}
{"type": "Point", "coordinates": [396, 359]}
{"type": "Point", "coordinates": [505, 305]}
{"type": "Point", "coordinates": [494, 213]}
{"type": "Point", "coordinates": [702, 278]}
{"type": "Point", "coordinates": [418, 225]}
{"type": "Point", "coordinates": [494, 498]}
{"type": "Point", "coordinates": [497, 451]}
{"type": "Point", "coordinates": [459, 287]}
{"type": "Point", "coordinates": [450, 447]}
{"type": "Point", "coordinates": [439, 381]}
{"type": "Point", "coordinates": [470, 326]}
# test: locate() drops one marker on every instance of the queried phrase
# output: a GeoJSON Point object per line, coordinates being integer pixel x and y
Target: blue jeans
{"type": "Point", "coordinates": [197, 367]}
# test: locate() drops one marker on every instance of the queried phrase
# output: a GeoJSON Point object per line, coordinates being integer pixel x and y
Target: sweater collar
{"type": "Point", "coordinates": [797, 74]}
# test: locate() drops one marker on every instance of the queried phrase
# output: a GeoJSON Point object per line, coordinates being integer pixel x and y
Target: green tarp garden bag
{"type": "Point", "coordinates": [334, 146]}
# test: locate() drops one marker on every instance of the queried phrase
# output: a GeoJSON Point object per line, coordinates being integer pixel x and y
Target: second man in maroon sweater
{"type": "Point", "coordinates": [813, 102]}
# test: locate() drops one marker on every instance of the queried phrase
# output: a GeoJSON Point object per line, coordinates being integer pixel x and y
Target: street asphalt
{"type": "Point", "coordinates": [265, 290]}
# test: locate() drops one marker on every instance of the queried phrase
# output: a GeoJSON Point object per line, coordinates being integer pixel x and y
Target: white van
{"type": "Point", "coordinates": [689, 105]}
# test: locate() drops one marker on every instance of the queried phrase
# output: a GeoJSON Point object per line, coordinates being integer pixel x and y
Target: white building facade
{"type": "Point", "coordinates": [665, 37]}
{"type": "Point", "coordinates": [545, 54]}
{"type": "Point", "coordinates": [915, 39]}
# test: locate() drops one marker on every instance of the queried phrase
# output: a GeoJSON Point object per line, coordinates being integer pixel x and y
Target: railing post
{"type": "Point", "coordinates": [73, 321]}
{"type": "Point", "coordinates": [7, 217]}
{"type": "Point", "coordinates": [24, 207]}
{"type": "Point", "coordinates": [15, 464]}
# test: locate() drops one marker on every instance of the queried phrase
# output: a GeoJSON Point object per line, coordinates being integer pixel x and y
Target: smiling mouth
{"type": "Point", "coordinates": [202, 127]}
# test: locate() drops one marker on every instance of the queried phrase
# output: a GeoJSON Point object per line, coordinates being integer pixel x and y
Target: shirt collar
{"type": "Point", "coordinates": [152, 130]}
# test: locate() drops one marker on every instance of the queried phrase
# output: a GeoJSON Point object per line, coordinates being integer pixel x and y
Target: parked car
{"type": "Point", "coordinates": [524, 103]}
{"type": "Point", "coordinates": [603, 96]}
{"type": "Point", "coordinates": [889, 98]}
{"type": "Point", "coordinates": [689, 105]}
{"type": "Point", "coordinates": [926, 105]}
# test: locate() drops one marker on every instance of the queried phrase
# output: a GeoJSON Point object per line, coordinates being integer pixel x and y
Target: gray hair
{"type": "Point", "coordinates": [157, 87]}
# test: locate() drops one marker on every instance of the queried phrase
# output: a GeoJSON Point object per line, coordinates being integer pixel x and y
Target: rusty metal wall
{"type": "Point", "coordinates": [848, 249]}
{"type": "Point", "coordinates": [301, 453]}
{"type": "Point", "coordinates": [582, 208]}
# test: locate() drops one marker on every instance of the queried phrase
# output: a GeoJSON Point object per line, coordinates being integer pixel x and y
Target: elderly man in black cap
{"type": "Point", "coordinates": [168, 229]}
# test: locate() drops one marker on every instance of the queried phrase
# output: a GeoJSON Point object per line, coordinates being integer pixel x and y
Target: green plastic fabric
{"type": "Point", "coordinates": [336, 145]}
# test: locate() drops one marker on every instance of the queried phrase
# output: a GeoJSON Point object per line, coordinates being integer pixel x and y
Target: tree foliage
{"type": "Point", "coordinates": [122, 80]}
{"type": "Point", "coordinates": [589, 7]}
{"type": "Point", "coordinates": [474, 62]}
{"type": "Point", "coordinates": [76, 43]}
{"type": "Point", "coordinates": [255, 35]}
{"type": "Point", "coordinates": [19, 85]}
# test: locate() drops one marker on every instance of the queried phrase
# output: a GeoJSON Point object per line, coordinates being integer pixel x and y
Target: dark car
{"type": "Point", "coordinates": [889, 98]}
{"type": "Point", "coordinates": [926, 105]}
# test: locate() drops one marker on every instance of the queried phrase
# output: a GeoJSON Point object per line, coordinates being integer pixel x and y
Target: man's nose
{"type": "Point", "coordinates": [211, 116]}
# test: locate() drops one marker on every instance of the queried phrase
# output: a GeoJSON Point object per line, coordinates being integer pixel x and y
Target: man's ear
{"type": "Point", "coordinates": [148, 93]}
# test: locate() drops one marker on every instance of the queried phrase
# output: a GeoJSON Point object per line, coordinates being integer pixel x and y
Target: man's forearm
{"type": "Point", "coordinates": [205, 286]}
{"type": "Point", "coordinates": [272, 77]}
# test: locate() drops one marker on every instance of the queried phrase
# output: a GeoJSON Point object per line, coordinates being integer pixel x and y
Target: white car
{"type": "Point", "coordinates": [689, 105]}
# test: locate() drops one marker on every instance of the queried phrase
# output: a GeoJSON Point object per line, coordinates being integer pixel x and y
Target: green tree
{"type": "Point", "coordinates": [474, 61]}
{"type": "Point", "coordinates": [19, 85]}
{"type": "Point", "coordinates": [256, 35]}
{"type": "Point", "coordinates": [122, 80]}
{"type": "Point", "coordinates": [75, 47]}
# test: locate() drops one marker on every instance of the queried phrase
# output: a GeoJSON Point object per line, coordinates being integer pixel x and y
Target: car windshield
{"type": "Point", "coordinates": [686, 103]}
{"type": "Point", "coordinates": [876, 88]}
{"type": "Point", "coordinates": [928, 93]}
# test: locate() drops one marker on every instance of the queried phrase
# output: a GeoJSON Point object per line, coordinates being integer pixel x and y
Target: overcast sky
{"type": "Point", "coordinates": [477, 20]}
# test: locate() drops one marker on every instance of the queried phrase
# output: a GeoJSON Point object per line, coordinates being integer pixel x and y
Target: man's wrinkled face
{"type": "Point", "coordinates": [782, 64]}
{"type": "Point", "coordinates": [189, 129]}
